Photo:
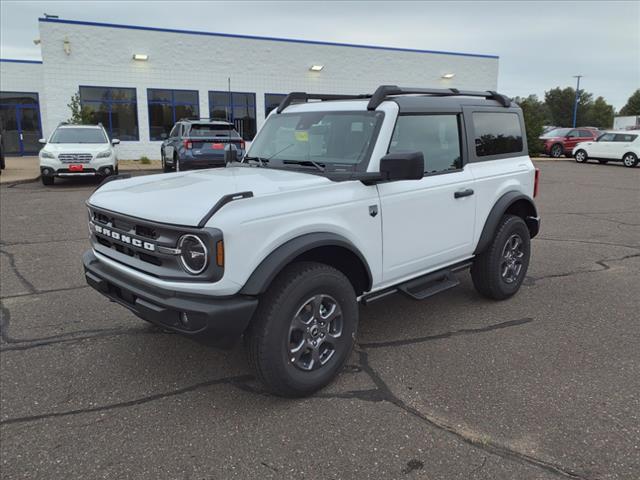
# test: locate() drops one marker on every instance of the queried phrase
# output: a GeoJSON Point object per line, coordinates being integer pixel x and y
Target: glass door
{"type": "Point", "coordinates": [20, 122]}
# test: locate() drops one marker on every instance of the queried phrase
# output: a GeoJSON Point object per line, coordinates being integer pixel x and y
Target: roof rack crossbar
{"type": "Point", "coordinates": [305, 97]}
{"type": "Point", "coordinates": [384, 91]}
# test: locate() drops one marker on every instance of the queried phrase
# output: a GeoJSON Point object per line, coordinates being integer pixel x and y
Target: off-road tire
{"type": "Point", "coordinates": [486, 269]}
{"type": "Point", "coordinates": [268, 336]}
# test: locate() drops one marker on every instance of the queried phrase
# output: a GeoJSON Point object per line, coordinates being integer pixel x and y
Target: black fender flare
{"type": "Point", "coordinates": [282, 256]}
{"type": "Point", "coordinates": [497, 212]}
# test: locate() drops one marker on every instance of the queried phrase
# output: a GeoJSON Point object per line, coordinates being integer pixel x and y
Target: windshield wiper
{"type": "Point", "coordinates": [261, 161]}
{"type": "Point", "coordinates": [305, 163]}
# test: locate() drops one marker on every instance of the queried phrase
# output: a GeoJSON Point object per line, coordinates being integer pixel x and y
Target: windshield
{"type": "Point", "coordinates": [556, 132]}
{"type": "Point", "coordinates": [78, 135]}
{"type": "Point", "coordinates": [345, 138]}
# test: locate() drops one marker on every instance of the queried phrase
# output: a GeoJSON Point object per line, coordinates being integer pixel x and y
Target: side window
{"type": "Point", "coordinates": [573, 134]}
{"type": "Point", "coordinates": [607, 137]}
{"type": "Point", "coordinates": [436, 136]}
{"type": "Point", "coordinates": [625, 137]}
{"type": "Point", "coordinates": [585, 133]}
{"type": "Point", "coordinates": [497, 133]}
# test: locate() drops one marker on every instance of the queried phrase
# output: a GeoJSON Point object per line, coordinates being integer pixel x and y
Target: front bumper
{"type": "Point", "coordinates": [215, 321]}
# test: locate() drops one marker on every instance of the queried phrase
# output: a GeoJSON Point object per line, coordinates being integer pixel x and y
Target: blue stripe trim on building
{"type": "Point", "coordinates": [15, 60]}
{"type": "Point", "coordinates": [255, 37]}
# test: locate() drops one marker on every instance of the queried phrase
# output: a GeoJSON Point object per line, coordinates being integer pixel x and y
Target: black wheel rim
{"type": "Point", "coordinates": [314, 333]}
{"type": "Point", "coordinates": [511, 260]}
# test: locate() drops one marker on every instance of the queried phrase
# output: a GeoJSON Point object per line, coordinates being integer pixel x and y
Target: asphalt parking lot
{"type": "Point", "coordinates": [545, 385]}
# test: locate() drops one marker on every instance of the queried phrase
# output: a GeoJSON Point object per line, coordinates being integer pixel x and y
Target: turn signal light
{"type": "Point", "coordinates": [220, 253]}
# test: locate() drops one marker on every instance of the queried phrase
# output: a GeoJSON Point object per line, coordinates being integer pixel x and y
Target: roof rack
{"type": "Point", "coordinates": [384, 91]}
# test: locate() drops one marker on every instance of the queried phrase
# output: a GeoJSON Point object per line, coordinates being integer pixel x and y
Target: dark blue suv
{"type": "Point", "coordinates": [199, 144]}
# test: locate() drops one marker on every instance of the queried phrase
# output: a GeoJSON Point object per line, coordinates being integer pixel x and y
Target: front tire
{"type": "Point", "coordinates": [556, 150]}
{"type": "Point", "coordinates": [47, 180]}
{"type": "Point", "coordinates": [498, 272]}
{"type": "Point", "coordinates": [165, 168]}
{"type": "Point", "coordinates": [581, 156]}
{"type": "Point", "coordinates": [304, 329]}
{"type": "Point", "coordinates": [630, 160]}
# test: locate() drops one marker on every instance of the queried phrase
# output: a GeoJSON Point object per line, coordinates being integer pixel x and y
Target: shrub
{"type": "Point", "coordinates": [145, 160]}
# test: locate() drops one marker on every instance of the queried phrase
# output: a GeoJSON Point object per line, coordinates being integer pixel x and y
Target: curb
{"type": "Point", "coordinates": [11, 183]}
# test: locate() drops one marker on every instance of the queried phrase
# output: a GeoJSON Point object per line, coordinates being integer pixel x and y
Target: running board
{"type": "Point", "coordinates": [429, 285]}
{"type": "Point", "coordinates": [422, 287]}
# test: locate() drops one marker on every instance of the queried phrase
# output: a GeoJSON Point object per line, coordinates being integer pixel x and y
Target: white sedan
{"type": "Point", "coordinates": [619, 146]}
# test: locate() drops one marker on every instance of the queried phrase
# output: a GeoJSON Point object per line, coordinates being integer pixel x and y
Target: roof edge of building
{"type": "Point", "coordinates": [255, 37]}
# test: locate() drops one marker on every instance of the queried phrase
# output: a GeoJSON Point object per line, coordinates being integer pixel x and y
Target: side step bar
{"type": "Point", "coordinates": [422, 287]}
{"type": "Point", "coordinates": [429, 285]}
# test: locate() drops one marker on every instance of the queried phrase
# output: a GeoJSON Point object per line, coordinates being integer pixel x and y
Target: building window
{"type": "Point", "coordinates": [272, 101]}
{"type": "Point", "coordinates": [166, 107]}
{"type": "Point", "coordinates": [115, 108]}
{"type": "Point", "coordinates": [436, 136]}
{"type": "Point", "coordinates": [497, 133]}
{"type": "Point", "coordinates": [235, 107]}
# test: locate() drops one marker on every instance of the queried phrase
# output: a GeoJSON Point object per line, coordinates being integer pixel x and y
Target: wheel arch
{"type": "Point", "coordinates": [514, 203]}
{"type": "Point", "coordinates": [322, 247]}
{"type": "Point", "coordinates": [630, 152]}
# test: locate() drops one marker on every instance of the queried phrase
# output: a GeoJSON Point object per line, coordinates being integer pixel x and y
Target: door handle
{"type": "Point", "coordinates": [463, 193]}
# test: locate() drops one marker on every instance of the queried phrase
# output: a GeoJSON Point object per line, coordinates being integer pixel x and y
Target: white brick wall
{"type": "Point", "coordinates": [102, 56]}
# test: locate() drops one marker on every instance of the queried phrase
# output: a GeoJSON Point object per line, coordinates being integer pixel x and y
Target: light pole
{"type": "Point", "coordinates": [575, 103]}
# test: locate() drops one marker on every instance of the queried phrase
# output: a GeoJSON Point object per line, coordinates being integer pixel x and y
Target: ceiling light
{"type": "Point", "coordinates": [141, 57]}
{"type": "Point", "coordinates": [316, 68]}
{"type": "Point", "coordinates": [448, 76]}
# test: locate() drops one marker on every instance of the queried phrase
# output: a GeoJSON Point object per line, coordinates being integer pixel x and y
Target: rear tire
{"type": "Point", "coordinates": [581, 156]}
{"type": "Point", "coordinates": [303, 330]}
{"type": "Point", "coordinates": [630, 160]}
{"type": "Point", "coordinates": [47, 180]}
{"type": "Point", "coordinates": [498, 272]}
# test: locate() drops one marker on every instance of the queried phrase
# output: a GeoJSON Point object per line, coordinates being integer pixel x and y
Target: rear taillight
{"type": "Point", "coordinates": [242, 144]}
{"type": "Point", "coordinates": [536, 182]}
{"type": "Point", "coordinates": [186, 143]}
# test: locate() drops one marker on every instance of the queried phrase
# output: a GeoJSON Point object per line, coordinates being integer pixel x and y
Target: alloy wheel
{"type": "Point", "coordinates": [314, 332]}
{"type": "Point", "coordinates": [511, 260]}
{"type": "Point", "coordinates": [556, 151]}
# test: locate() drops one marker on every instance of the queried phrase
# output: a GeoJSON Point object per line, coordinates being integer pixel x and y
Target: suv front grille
{"type": "Point", "coordinates": [147, 246]}
{"type": "Point", "coordinates": [75, 157]}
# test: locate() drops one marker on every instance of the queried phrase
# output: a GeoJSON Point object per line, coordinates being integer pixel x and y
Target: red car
{"type": "Point", "coordinates": [560, 141]}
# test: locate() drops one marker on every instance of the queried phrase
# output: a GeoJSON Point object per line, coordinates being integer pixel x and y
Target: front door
{"type": "Point", "coordinates": [427, 223]}
{"type": "Point", "coordinates": [20, 122]}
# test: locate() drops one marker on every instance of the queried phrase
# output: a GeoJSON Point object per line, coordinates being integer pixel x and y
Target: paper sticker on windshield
{"type": "Point", "coordinates": [302, 135]}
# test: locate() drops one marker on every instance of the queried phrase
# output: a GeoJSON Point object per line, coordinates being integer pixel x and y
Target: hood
{"type": "Point", "coordinates": [185, 198]}
{"type": "Point", "coordinates": [76, 147]}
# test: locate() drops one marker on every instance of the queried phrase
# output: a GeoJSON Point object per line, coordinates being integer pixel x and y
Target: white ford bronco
{"type": "Point", "coordinates": [340, 200]}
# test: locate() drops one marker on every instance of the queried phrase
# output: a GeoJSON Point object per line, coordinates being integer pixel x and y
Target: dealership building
{"type": "Point", "coordinates": [137, 81]}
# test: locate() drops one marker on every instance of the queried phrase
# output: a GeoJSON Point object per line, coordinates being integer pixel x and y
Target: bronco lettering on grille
{"type": "Point", "coordinates": [123, 238]}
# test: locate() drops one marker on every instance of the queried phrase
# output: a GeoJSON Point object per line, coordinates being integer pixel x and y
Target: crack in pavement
{"type": "Point", "coordinates": [532, 280]}
{"type": "Point", "coordinates": [453, 333]}
{"type": "Point", "coordinates": [41, 242]}
{"type": "Point", "coordinates": [12, 263]}
{"type": "Point", "coordinates": [40, 292]}
{"type": "Point", "coordinates": [130, 403]}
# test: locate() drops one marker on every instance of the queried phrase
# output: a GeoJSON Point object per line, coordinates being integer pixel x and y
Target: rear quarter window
{"type": "Point", "coordinates": [497, 133]}
{"type": "Point", "coordinates": [625, 137]}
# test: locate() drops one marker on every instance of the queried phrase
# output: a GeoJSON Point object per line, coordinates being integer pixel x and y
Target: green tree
{"type": "Point", "coordinates": [560, 103]}
{"type": "Point", "coordinates": [600, 114]}
{"type": "Point", "coordinates": [633, 104]}
{"type": "Point", "coordinates": [536, 114]}
{"type": "Point", "coordinates": [80, 115]}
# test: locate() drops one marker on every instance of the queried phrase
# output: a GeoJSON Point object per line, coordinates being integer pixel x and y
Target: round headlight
{"type": "Point", "coordinates": [193, 254]}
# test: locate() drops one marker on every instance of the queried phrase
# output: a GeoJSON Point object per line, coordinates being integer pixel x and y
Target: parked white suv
{"type": "Point", "coordinates": [617, 146]}
{"type": "Point", "coordinates": [76, 151]}
{"type": "Point", "coordinates": [338, 201]}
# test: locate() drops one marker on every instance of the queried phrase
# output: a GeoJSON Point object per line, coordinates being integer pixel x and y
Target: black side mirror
{"type": "Point", "coordinates": [230, 153]}
{"type": "Point", "coordinates": [402, 166]}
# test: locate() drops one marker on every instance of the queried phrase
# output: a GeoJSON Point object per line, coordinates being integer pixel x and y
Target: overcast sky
{"type": "Point", "coordinates": [541, 44]}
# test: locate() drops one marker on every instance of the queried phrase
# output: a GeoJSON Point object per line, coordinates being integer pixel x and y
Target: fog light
{"type": "Point", "coordinates": [46, 172]}
{"type": "Point", "coordinates": [107, 171]}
